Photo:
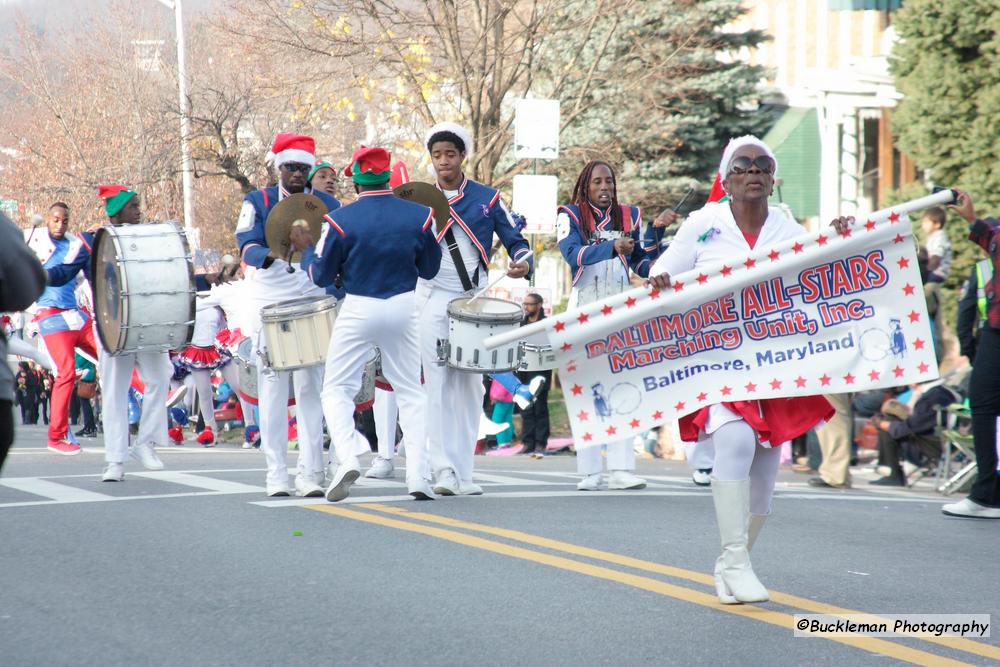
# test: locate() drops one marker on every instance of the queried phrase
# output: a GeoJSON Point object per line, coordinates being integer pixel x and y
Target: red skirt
{"type": "Point", "coordinates": [775, 420]}
{"type": "Point", "coordinates": [195, 358]}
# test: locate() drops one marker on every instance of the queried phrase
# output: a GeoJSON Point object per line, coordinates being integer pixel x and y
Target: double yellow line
{"type": "Point", "coordinates": [417, 522]}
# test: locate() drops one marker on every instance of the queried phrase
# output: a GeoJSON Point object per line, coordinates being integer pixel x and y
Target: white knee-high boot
{"type": "Point", "coordinates": [725, 595]}
{"type": "Point", "coordinates": [732, 512]}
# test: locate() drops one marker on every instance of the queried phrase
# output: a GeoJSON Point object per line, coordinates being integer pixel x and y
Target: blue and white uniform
{"type": "Point", "coordinates": [271, 283]}
{"type": "Point", "coordinates": [455, 398]}
{"type": "Point", "coordinates": [380, 246]}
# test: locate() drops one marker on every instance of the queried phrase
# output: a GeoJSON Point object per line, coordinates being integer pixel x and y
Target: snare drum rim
{"type": "Point", "coordinates": [455, 312]}
{"type": "Point", "coordinates": [302, 306]}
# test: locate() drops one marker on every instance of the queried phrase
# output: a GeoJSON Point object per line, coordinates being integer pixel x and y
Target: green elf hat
{"type": "Point", "coordinates": [369, 166]}
{"type": "Point", "coordinates": [320, 165]}
{"type": "Point", "coordinates": [115, 197]}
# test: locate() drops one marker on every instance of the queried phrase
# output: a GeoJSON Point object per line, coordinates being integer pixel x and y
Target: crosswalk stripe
{"type": "Point", "coordinates": [200, 482]}
{"type": "Point", "coordinates": [53, 490]}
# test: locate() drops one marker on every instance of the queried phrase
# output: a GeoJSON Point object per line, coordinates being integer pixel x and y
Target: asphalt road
{"type": "Point", "coordinates": [195, 566]}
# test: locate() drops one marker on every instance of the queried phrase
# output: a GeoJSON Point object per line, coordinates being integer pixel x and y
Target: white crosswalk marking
{"type": "Point", "coordinates": [200, 482]}
{"type": "Point", "coordinates": [53, 490]}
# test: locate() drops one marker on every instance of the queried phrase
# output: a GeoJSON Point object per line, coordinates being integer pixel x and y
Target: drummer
{"type": "Point", "coordinates": [455, 398]}
{"type": "Point", "coordinates": [379, 245]}
{"type": "Point", "coordinates": [294, 156]}
{"type": "Point", "coordinates": [115, 372]}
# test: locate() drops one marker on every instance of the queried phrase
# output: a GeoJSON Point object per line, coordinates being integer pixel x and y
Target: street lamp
{"type": "Point", "coordinates": [187, 169]}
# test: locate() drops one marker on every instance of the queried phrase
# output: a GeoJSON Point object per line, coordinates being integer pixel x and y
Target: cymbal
{"type": "Point", "coordinates": [428, 195]}
{"type": "Point", "coordinates": [309, 209]}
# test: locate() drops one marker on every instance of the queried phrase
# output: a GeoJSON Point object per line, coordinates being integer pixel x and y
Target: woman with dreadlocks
{"type": "Point", "coordinates": [601, 241]}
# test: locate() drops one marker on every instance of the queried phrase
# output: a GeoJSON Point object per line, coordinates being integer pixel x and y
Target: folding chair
{"type": "Point", "coordinates": [954, 424]}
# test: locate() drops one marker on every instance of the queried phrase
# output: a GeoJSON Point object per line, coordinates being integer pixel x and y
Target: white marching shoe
{"type": "Point", "coordinates": [732, 512]}
{"type": "Point", "coordinates": [347, 473]}
{"type": "Point", "coordinates": [447, 483]}
{"type": "Point", "coordinates": [725, 595]}
{"type": "Point", "coordinates": [146, 455]}
{"type": "Point", "coordinates": [420, 489]}
{"type": "Point", "coordinates": [469, 489]}
{"type": "Point", "coordinates": [381, 469]}
{"type": "Point", "coordinates": [590, 483]}
{"type": "Point", "coordinates": [308, 485]}
{"type": "Point", "coordinates": [113, 472]}
{"type": "Point", "coordinates": [623, 479]}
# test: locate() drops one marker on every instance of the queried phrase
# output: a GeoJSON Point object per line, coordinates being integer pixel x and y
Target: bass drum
{"type": "Point", "coordinates": [144, 292]}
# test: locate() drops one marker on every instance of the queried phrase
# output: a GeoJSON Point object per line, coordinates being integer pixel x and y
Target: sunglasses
{"type": "Point", "coordinates": [742, 164]}
{"type": "Point", "coordinates": [296, 166]}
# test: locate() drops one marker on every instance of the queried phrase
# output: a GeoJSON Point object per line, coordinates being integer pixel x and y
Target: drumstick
{"type": "Point", "coordinates": [492, 284]}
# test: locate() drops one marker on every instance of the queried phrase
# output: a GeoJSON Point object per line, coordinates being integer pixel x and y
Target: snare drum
{"type": "Point", "coordinates": [246, 371]}
{"type": "Point", "coordinates": [536, 357]}
{"type": "Point", "coordinates": [469, 324]}
{"type": "Point", "coordinates": [297, 332]}
{"type": "Point", "coordinates": [144, 291]}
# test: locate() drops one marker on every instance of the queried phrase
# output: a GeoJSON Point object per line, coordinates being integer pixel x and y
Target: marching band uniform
{"type": "Point", "coordinates": [379, 245]}
{"type": "Point", "coordinates": [270, 284]}
{"type": "Point", "coordinates": [454, 397]}
{"type": "Point", "coordinates": [115, 372]}
{"type": "Point", "coordinates": [202, 358]}
{"type": "Point", "coordinates": [64, 326]}
{"type": "Point", "coordinates": [599, 272]}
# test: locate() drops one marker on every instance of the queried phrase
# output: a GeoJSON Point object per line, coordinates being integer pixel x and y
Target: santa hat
{"type": "Point", "coordinates": [369, 166]}
{"type": "Point", "coordinates": [453, 128]}
{"type": "Point", "coordinates": [292, 148]}
{"type": "Point", "coordinates": [115, 197]}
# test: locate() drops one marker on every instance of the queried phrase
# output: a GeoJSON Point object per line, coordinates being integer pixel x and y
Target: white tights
{"type": "Point", "coordinates": [203, 385]}
{"type": "Point", "coordinates": [738, 456]}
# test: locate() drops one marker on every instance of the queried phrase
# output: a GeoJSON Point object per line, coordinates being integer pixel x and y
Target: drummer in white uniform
{"type": "Point", "coordinates": [294, 155]}
{"type": "Point", "coordinates": [379, 245]}
{"type": "Point", "coordinates": [155, 369]}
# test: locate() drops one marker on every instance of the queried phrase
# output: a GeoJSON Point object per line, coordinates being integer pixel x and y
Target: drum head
{"type": "Point", "coordinates": [428, 195]}
{"type": "Point", "coordinates": [484, 309]}
{"type": "Point", "coordinates": [108, 283]}
{"type": "Point", "coordinates": [304, 305]}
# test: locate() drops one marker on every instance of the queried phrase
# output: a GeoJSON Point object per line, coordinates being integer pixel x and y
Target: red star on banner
{"type": "Point", "coordinates": [849, 379]}
{"type": "Point", "coordinates": [846, 233]}
{"type": "Point", "coordinates": [898, 238]}
{"type": "Point", "coordinates": [629, 302]}
{"type": "Point", "coordinates": [897, 372]}
{"type": "Point", "coordinates": [825, 380]}
{"type": "Point", "coordinates": [558, 326]}
{"type": "Point", "coordinates": [582, 416]}
{"type": "Point", "coordinates": [774, 255]}
{"type": "Point", "coordinates": [750, 263]}
{"type": "Point", "coordinates": [775, 383]}
{"type": "Point", "coordinates": [903, 262]}
{"type": "Point", "coordinates": [571, 367]}
{"type": "Point", "coordinates": [702, 397]}
{"type": "Point", "coordinates": [797, 248]}
{"type": "Point", "coordinates": [678, 286]}
{"type": "Point", "coordinates": [634, 423]}
{"type": "Point", "coordinates": [918, 344]}
{"type": "Point", "coordinates": [679, 406]}
{"type": "Point", "coordinates": [658, 415]}
{"type": "Point", "coordinates": [800, 381]}
{"type": "Point", "coordinates": [914, 316]}
{"type": "Point", "coordinates": [821, 240]}
{"type": "Point", "coordinates": [582, 318]}
{"type": "Point", "coordinates": [750, 387]}
{"type": "Point", "coordinates": [726, 391]}
{"type": "Point", "coordinates": [908, 289]}
{"type": "Point", "coordinates": [577, 390]}
{"type": "Point", "coordinates": [923, 367]}
{"type": "Point", "coordinates": [870, 225]}
{"type": "Point", "coordinates": [587, 437]}
{"type": "Point", "coordinates": [565, 347]}
{"type": "Point", "coordinates": [725, 270]}
{"type": "Point", "coordinates": [611, 430]}
{"type": "Point", "coordinates": [607, 309]}
{"type": "Point", "coordinates": [702, 278]}
{"type": "Point", "coordinates": [893, 217]}
{"type": "Point", "coordinates": [874, 375]}
{"type": "Point", "coordinates": [655, 294]}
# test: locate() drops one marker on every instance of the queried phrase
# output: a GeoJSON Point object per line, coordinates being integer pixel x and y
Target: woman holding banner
{"type": "Point", "coordinates": [746, 435]}
{"type": "Point", "coordinates": [600, 240]}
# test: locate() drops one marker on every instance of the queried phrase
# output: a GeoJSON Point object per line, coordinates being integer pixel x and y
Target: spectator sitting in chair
{"type": "Point", "coordinates": [907, 437]}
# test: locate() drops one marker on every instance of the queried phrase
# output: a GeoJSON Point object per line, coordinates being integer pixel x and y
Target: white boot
{"type": "Point", "coordinates": [725, 595]}
{"type": "Point", "coordinates": [732, 513]}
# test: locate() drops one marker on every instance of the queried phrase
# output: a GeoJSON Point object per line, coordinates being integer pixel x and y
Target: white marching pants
{"type": "Point", "coordinates": [385, 412]}
{"type": "Point", "coordinates": [454, 398]}
{"type": "Point", "coordinates": [155, 370]}
{"type": "Point", "coordinates": [203, 385]}
{"type": "Point", "coordinates": [272, 401]}
{"type": "Point", "coordinates": [621, 456]}
{"type": "Point", "coordinates": [391, 325]}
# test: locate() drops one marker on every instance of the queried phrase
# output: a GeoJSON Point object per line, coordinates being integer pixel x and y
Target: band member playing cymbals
{"type": "Point", "coordinates": [455, 398]}
{"type": "Point", "coordinates": [115, 372]}
{"type": "Point", "coordinates": [379, 245]}
{"type": "Point", "coordinates": [294, 155]}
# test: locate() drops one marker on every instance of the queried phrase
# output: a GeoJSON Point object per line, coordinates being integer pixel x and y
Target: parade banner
{"type": "Point", "coordinates": [820, 314]}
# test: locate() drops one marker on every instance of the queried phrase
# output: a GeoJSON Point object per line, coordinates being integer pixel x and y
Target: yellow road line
{"type": "Point", "coordinates": [781, 620]}
{"type": "Point", "coordinates": [805, 604]}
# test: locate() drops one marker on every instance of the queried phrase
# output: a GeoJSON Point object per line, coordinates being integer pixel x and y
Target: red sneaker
{"type": "Point", "coordinates": [63, 447]}
{"type": "Point", "coordinates": [176, 435]}
{"type": "Point", "coordinates": [206, 437]}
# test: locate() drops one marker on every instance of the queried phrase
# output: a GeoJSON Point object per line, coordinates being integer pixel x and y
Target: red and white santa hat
{"type": "Point", "coordinates": [292, 148]}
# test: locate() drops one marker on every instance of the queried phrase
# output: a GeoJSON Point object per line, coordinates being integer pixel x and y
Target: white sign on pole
{"type": "Point", "coordinates": [536, 129]}
{"type": "Point", "coordinates": [536, 198]}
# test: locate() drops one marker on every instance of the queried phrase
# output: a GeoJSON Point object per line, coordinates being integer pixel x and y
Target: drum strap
{"type": "Point", "coordinates": [456, 257]}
